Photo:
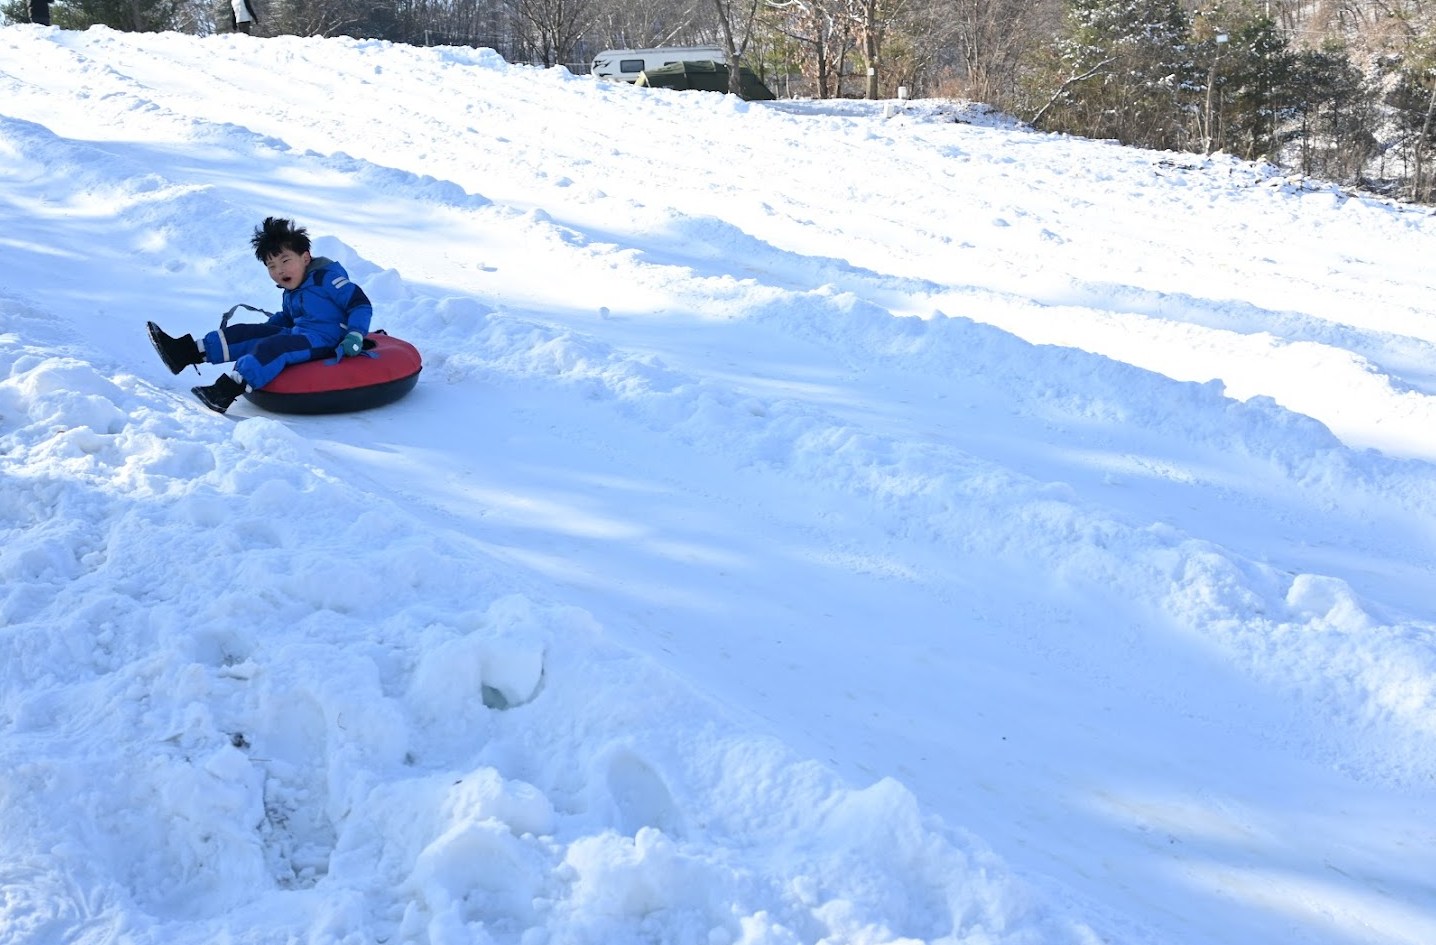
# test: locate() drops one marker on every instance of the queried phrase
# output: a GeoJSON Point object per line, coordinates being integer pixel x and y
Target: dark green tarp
{"type": "Point", "coordinates": [707, 76]}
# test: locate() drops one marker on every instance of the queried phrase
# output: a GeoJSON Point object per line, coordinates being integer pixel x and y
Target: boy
{"type": "Point", "coordinates": [322, 312]}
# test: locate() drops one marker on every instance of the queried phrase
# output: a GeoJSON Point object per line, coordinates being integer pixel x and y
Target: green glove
{"type": "Point", "coordinates": [352, 344]}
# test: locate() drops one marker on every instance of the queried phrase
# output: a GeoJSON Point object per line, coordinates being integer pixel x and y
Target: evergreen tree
{"type": "Point", "coordinates": [1248, 77]}
{"type": "Point", "coordinates": [1330, 107]}
{"type": "Point", "coordinates": [141, 16]}
{"type": "Point", "coordinates": [1121, 70]}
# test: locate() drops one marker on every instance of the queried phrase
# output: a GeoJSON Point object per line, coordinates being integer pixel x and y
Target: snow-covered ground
{"type": "Point", "coordinates": [815, 522]}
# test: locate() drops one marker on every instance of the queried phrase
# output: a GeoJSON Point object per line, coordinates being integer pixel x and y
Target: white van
{"type": "Point", "coordinates": [624, 65]}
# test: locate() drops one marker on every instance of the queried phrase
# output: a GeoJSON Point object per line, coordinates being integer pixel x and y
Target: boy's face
{"type": "Point", "coordinates": [286, 267]}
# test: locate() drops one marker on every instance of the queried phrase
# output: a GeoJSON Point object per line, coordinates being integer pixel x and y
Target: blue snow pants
{"type": "Point", "coordinates": [260, 351]}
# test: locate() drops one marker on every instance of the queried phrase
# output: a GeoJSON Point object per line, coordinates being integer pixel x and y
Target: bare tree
{"type": "Point", "coordinates": [823, 36]}
{"type": "Point", "coordinates": [551, 28]}
{"type": "Point", "coordinates": [735, 27]}
{"type": "Point", "coordinates": [872, 19]}
{"type": "Point", "coordinates": [643, 24]}
{"type": "Point", "coordinates": [994, 38]}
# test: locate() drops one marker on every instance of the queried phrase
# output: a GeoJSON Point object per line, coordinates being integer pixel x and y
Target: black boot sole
{"type": "Point", "coordinates": [208, 398]}
{"type": "Point", "coordinates": [158, 338]}
{"type": "Point", "coordinates": [220, 395]}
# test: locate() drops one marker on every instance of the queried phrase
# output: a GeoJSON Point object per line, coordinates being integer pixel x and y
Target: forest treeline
{"type": "Point", "coordinates": [1343, 90]}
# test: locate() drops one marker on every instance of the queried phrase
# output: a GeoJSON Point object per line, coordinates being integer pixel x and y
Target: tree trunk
{"type": "Point", "coordinates": [1419, 186]}
{"type": "Point", "coordinates": [872, 45]}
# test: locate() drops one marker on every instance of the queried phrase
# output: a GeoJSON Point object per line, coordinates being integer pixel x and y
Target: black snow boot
{"type": "Point", "coordinates": [219, 395]}
{"type": "Point", "coordinates": [177, 353]}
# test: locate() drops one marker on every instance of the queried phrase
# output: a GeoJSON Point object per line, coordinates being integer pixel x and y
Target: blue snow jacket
{"type": "Point", "coordinates": [325, 306]}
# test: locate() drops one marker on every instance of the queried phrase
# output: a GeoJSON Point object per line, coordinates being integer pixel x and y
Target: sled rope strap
{"type": "Point", "coordinates": [230, 314]}
{"type": "Point", "coordinates": [224, 323]}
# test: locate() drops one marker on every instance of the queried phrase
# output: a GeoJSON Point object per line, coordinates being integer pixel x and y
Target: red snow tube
{"type": "Point", "coordinates": [388, 370]}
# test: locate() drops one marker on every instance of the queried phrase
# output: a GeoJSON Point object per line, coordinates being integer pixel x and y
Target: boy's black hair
{"type": "Point", "coordinates": [275, 236]}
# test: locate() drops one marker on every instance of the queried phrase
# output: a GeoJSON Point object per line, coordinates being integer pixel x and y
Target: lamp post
{"type": "Point", "coordinates": [1211, 84]}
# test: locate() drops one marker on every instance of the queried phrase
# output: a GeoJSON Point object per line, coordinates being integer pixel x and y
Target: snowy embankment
{"type": "Point", "coordinates": [229, 673]}
{"type": "Point", "coordinates": [695, 595]}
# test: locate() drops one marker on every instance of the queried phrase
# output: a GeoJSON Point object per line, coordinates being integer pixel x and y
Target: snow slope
{"type": "Point", "coordinates": [816, 522]}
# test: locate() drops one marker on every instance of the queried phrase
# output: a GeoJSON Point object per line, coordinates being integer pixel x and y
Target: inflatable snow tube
{"type": "Point", "coordinates": [388, 369]}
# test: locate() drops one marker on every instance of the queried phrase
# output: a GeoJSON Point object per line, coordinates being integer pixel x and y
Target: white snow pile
{"type": "Point", "coordinates": [815, 522]}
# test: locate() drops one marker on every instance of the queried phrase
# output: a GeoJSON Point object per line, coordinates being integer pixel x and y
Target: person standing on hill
{"type": "Point", "coordinates": [242, 16]}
